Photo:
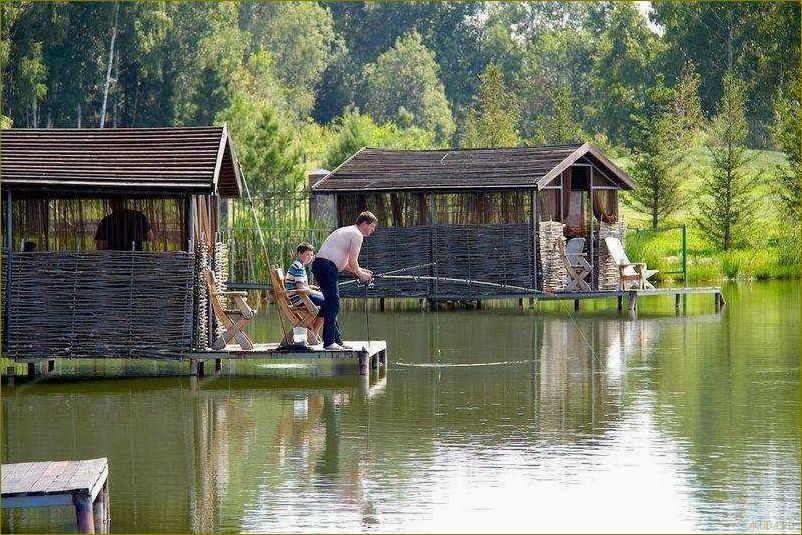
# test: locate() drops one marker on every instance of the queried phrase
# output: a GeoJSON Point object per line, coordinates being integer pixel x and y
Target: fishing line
{"type": "Point", "coordinates": [261, 236]}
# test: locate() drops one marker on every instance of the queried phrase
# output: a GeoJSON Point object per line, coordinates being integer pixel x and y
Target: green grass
{"type": "Point", "coordinates": [771, 251]}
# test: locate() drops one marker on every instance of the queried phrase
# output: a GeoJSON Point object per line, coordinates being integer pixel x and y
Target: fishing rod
{"type": "Point", "coordinates": [462, 281]}
{"type": "Point", "coordinates": [387, 273]}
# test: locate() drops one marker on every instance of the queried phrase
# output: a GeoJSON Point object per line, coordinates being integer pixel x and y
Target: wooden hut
{"type": "Point", "coordinates": [475, 212]}
{"type": "Point", "coordinates": [62, 297]}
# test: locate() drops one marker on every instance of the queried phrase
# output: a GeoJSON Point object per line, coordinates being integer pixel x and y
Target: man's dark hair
{"type": "Point", "coordinates": [366, 217]}
{"type": "Point", "coordinates": [303, 247]}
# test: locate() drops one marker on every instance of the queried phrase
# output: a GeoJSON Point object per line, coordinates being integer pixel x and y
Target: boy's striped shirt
{"type": "Point", "coordinates": [296, 273]}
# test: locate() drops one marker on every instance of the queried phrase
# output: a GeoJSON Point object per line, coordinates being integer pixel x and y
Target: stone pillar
{"type": "Point", "coordinates": [322, 207]}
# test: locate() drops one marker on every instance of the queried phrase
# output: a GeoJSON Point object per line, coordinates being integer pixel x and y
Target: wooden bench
{"type": "Point", "coordinates": [82, 484]}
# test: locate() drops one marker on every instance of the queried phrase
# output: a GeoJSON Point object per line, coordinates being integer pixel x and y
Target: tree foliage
{"type": "Point", "coordinates": [493, 121]}
{"type": "Point", "coordinates": [726, 197]}
{"type": "Point", "coordinates": [656, 159]}
{"type": "Point", "coordinates": [404, 83]}
{"type": "Point", "coordinates": [787, 179]}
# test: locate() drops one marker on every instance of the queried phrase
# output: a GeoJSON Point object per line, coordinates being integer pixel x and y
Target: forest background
{"type": "Point", "coordinates": [699, 102]}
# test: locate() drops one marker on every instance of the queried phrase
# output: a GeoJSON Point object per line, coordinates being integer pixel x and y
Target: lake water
{"type": "Point", "coordinates": [494, 420]}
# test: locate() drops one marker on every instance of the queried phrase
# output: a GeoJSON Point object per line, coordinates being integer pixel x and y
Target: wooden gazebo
{"type": "Point", "coordinates": [475, 213]}
{"type": "Point", "coordinates": [64, 298]}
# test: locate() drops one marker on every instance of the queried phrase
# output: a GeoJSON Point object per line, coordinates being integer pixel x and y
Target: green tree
{"type": "Point", "coordinates": [786, 135]}
{"type": "Point", "coordinates": [624, 67]}
{"type": "Point", "coordinates": [686, 108]}
{"type": "Point", "coordinates": [557, 125]}
{"type": "Point", "coordinates": [354, 131]}
{"type": "Point", "coordinates": [656, 159]}
{"type": "Point", "coordinates": [492, 123]}
{"type": "Point", "coordinates": [758, 41]}
{"type": "Point", "coordinates": [726, 196]}
{"type": "Point", "coordinates": [300, 37]}
{"type": "Point", "coordinates": [406, 77]}
{"type": "Point", "coordinates": [268, 156]}
{"type": "Point", "coordinates": [556, 68]}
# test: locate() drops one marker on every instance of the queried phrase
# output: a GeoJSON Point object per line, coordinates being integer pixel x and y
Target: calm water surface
{"type": "Point", "coordinates": [493, 420]}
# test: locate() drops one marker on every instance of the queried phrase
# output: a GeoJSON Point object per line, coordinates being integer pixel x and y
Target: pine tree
{"type": "Point", "coordinates": [727, 201]}
{"type": "Point", "coordinates": [559, 126]}
{"type": "Point", "coordinates": [493, 122]}
{"type": "Point", "coordinates": [687, 107]}
{"type": "Point", "coordinates": [655, 172]}
{"type": "Point", "coordinates": [786, 136]}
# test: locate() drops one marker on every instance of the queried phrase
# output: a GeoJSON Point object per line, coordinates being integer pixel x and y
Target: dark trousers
{"type": "Point", "coordinates": [328, 276]}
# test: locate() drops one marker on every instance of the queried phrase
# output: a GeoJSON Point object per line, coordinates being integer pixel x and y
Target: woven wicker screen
{"type": "Point", "coordinates": [495, 253]}
{"type": "Point", "coordinates": [69, 224]}
{"type": "Point", "coordinates": [98, 304]}
{"type": "Point", "coordinates": [411, 209]}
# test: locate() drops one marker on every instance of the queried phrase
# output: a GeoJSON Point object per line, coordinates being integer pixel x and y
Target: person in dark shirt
{"type": "Point", "coordinates": [122, 229]}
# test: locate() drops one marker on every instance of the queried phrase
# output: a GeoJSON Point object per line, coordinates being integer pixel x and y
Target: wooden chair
{"type": "Point", "coordinates": [630, 273]}
{"type": "Point", "coordinates": [233, 320]}
{"type": "Point", "coordinates": [302, 315]}
{"type": "Point", "coordinates": [576, 267]}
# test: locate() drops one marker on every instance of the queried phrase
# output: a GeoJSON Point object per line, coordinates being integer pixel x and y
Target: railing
{"type": "Point", "coordinates": [641, 244]}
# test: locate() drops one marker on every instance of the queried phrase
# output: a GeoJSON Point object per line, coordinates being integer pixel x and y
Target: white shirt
{"type": "Point", "coordinates": [340, 245]}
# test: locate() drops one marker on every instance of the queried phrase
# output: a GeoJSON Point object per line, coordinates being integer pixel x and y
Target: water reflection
{"type": "Point", "coordinates": [495, 420]}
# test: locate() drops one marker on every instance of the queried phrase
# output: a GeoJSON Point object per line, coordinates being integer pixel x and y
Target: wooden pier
{"type": "Point", "coordinates": [81, 484]}
{"type": "Point", "coordinates": [368, 355]}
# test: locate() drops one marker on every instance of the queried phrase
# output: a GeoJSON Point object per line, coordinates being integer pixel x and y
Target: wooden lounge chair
{"type": "Point", "coordinates": [576, 259]}
{"type": "Point", "coordinates": [631, 273]}
{"type": "Point", "coordinates": [302, 315]}
{"type": "Point", "coordinates": [233, 320]}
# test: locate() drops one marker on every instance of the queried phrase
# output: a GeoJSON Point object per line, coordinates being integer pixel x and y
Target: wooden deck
{"type": "Point", "coordinates": [82, 484]}
{"type": "Point", "coordinates": [364, 353]}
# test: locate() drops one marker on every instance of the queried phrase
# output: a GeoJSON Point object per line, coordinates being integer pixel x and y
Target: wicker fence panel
{"type": "Point", "coordinates": [392, 248]}
{"type": "Point", "coordinates": [100, 304]}
{"type": "Point", "coordinates": [497, 253]}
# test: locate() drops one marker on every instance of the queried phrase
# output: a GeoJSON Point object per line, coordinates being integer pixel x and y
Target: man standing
{"type": "Point", "coordinates": [123, 229]}
{"type": "Point", "coordinates": [340, 251]}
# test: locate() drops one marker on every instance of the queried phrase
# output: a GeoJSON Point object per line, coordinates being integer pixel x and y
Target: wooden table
{"type": "Point", "coordinates": [82, 484]}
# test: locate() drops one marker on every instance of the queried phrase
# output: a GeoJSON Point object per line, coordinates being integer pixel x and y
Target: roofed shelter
{"type": "Point", "coordinates": [474, 212]}
{"type": "Point", "coordinates": [64, 297]}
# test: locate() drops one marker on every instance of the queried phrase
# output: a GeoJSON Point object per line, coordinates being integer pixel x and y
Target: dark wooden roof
{"type": "Point", "coordinates": [468, 169]}
{"type": "Point", "coordinates": [120, 161]}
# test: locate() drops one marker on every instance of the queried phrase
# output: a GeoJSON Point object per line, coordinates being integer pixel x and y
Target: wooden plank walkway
{"type": "Point", "coordinates": [364, 352]}
{"type": "Point", "coordinates": [82, 484]}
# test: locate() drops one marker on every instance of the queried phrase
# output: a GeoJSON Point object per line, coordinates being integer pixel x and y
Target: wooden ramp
{"type": "Point", "coordinates": [82, 484]}
{"type": "Point", "coordinates": [373, 353]}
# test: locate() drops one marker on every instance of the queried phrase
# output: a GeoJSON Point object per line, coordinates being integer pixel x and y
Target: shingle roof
{"type": "Point", "coordinates": [468, 169]}
{"type": "Point", "coordinates": [142, 161]}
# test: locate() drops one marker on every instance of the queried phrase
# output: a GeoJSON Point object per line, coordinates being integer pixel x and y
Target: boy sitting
{"type": "Point", "coordinates": [296, 279]}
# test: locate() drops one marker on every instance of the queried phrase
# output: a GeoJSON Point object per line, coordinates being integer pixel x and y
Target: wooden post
{"type": "Point", "coordinates": [381, 304]}
{"type": "Point", "coordinates": [83, 513]}
{"type": "Point", "coordinates": [189, 215]}
{"type": "Point", "coordinates": [374, 361]}
{"type": "Point", "coordinates": [100, 510]}
{"type": "Point", "coordinates": [593, 283]}
{"type": "Point", "coordinates": [200, 367]}
{"type": "Point", "coordinates": [193, 367]}
{"type": "Point", "coordinates": [433, 266]}
{"type": "Point", "coordinates": [9, 243]}
{"type": "Point", "coordinates": [620, 302]}
{"type": "Point", "coordinates": [534, 239]}
{"type": "Point", "coordinates": [633, 301]}
{"type": "Point", "coordinates": [520, 302]}
{"type": "Point", "coordinates": [576, 304]}
{"type": "Point", "coordinates": [363, 363]}
{"type": "Point", "coordinates": [677, 300]}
